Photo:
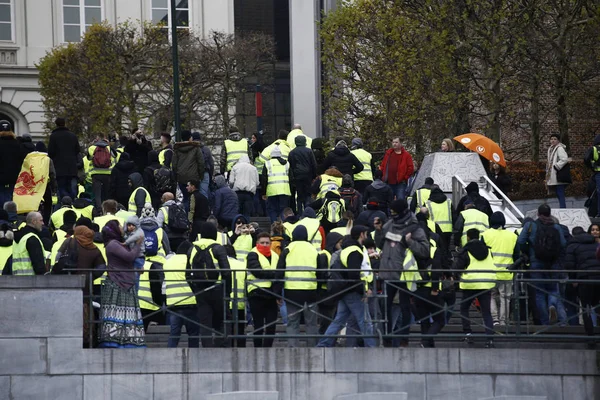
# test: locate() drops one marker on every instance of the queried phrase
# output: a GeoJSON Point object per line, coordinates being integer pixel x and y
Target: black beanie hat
{"type": "Point", "coordinates": [497, 220]}
{"type": "Point", "coordinates": [208, 231]}
{"type": "Point", "coordinates": [399, 206]}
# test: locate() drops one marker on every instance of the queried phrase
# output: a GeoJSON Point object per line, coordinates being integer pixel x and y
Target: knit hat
{"type": "Point", "coordinates": [5, 126]}
{"type": "Point", "coordinates": [84, 221]}
{"type": "Point", "coordinates": [357, 230]}
{"type": "Point", "coordinates": [472, 187]}
{"type": "Point", "coordinates": [309, 213]}
{"type": "Point", "coordinates": [208, 231]}
{"type": "Point", "coordinates": [341, 143]}
{"type": "Point", "coordinates": [357, 142]}
{"type": "Point", "coordinates": [497, 220]}
{"type": "Point", "coordinates": [276, 152]}
{"type": "Point", "coordinates": [196, 136]}
{"type": "Point", "coordinates": [347, 181]}
{"type": "Point", "coordinates": [148, 211]}
{"type": "Point", "coordinates": [399, 206]}
{"type": "Point", "coordinates": [66, 201]}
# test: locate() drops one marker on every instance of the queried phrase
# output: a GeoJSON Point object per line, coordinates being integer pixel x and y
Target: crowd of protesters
{"type": "Point", "coordinates": [165, 235]}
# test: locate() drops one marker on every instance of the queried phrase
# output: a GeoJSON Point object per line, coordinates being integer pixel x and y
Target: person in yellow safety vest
{"type": "Point", "coordinates": [101, 163]}
{"type": "Point", "coordinates": [87, 167]}
{"type": "Point", "coordinates": [266, 155]}
{"type": "Point", "coordinates": [294, 133]}
{"type": "Point", "coordinates": [313, 227]}
{"type": "Point", "coordinates": [180, 300]}
{"type": "Point", "coordinates": [301, 265]}
{"type": "Point", "coordinates": [83, 206]}
{"type": "Point", "coordinates": [165, 155]}
{"type": "Point", "coordinates": [56, 219]}
{"type": "Point", "coordinates": [211, 283]}
{"type": "Point", "coordinates": [153, 252]}
{"type": "Point", "coordinates": [327, 305]}
{"type": "Point", "coordinates": [330, 180]}
{"type": "Point", "coordinates": [440, 212]}
{"type": "Point", "coordinates": [275, 177]}
{"type": "Point", "coordinates": [109, 211]}
{"type": "Point", "coordinates": [115, 149]}
{"type": "Point", "coordinates": [469, 218]}
{"type": "Point", "coordinates": [476, 283]}
{"type": "Point", "coordinates": [237, 302]}
{"type": "Point", "coordinates": [139, 195]}
{"type": "Point", "coordinates": [66, 229]}
{"type": "Point", "coordinates": [353, 299]}
{"type": "Point", "coordinates": [421, 195]}
{"type": "Point", "coordinates": [365, 177]}
{"type": "Point", "coordinates": [242, 236]}
{"type": "Point", "coordinates": [233, 148]}
{"type": "Point", "coordinates": [100, 245]}
{"type": "Point", "coordinates": [261, 265]}
{"type": "Point", "coordinates": [505, 251]}
{"type": "Point", "coordinates": [150, 294]}
{"type": "Point", "coordinates": [6, 242]}
{"type": "Point", "coordinates": [29, 255]}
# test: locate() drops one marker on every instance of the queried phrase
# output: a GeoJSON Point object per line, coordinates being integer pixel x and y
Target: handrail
{"type": "Point", "coordinates": [505, 198]}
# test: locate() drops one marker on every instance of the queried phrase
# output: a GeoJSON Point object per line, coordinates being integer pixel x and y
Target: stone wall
{"type": "Point", "coordinates": [42, 358]}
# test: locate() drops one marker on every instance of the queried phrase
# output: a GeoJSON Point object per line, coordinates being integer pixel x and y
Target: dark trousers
{"type": "Point", "coordinates": [428, 305]}
{"type": "Point", "coordinates": [327, 312]}
{"type": "Point", "coordinates": [360, 186]}
{"type": "Point", "coordinates": [100, 186]}
{"type": "Point", "coordinates": [589, 293]}
{"type": "Point", "coordinates": [241, 327]}
{"type": "Point", "coordinates": [159, 318]}
{"type": "Point", "coordinates": [184, 316]}
{"type": "Point", "coordinates": [67, 186]}
{"type": "Point", "coordinates": [6, 193]}
{"type": "Point", "coordinates": [404, 296]}
{"type": "Point", "coordinates": [174, 242]}
{"type": "Point", "coordinates": [302, 195]}
{"type": "Point", "coordinates": [485, 302]}
{"type": "Point", "coordinates": [211, 314]}
{"type": "Point", "coordinates": [264, 313]}
{"type": "Point", "coordinates": [275, 205]}
{"type": "Point", "coordinates": [246, 200]}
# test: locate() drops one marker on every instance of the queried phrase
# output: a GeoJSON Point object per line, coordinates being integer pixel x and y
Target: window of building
{"type": "Point", "coordinates": [6, 20]}
{"type": "Point", "coordinates": [161, 13]}
{"type": "Point", "coordinates": [78, 16]}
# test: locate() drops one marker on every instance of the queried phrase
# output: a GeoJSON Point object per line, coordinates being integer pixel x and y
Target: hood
{"type": "Point", "coordinates": [81, 203]}
{"type": "Point", "coordinates": [136, 180]}
{"type": "Point", "coordinates": [186, 147]}
{"type": "Point", "coordinates": [597, 140]}
{"type": "Point", "coordinates": [10, 135]}
{"type": "Point", "coordinates": [584, 238]}
{"type": "Point", "coordinates": [41, 147]}
{"type": "Point", "coordinates": [300, 141]}
{"type": "Point", "coordinates": [547, 220]}
{"type": "Point", "coordinates": [220, 181]}
{"type": "Point", "coordinates": [133, 220]}
{"type": "Point", "coordinates": [239, 216]}
{"type": "Point", "coordinates": [437, 196]}
{"type": "Point", "coordinates": [85, 237]}
{"type": "Point", "coordinates": [101, 143]}
{"type": "Point", "coordinates": [244, 159]}
{"type": "Point", "coordinates": [497, 220]}
{"type": "Point", "coordinates": [334, 172]}
{"type": "Point", "coordinates": [472, 187]}
{"type": "Point", "coordinates": [341, 151]}
{"type": "Point", "coordinates": [125, 166]}
{"type": "Point", "coordinates": [148, 223]}
{"type": "Point", "coordinates": [153, 157]}
{"type": "Point", "coordinates": [235, 136]}
{"type": "Point", "coordinates": [378, 184]}
{"type": "Point", "coordinates": [309, 213]}
{"type": "Point", "coordinates": [331, 239]}
{"type": "Point", "coordinates": [403, 220]}
{"type": "Point", "coordinates": [169, 202]}
{"type": "Point", "coordinates": [300, 234]}
{"type": "Point", "coordinates": [292, 219]}
{"type": "Point", "coordinates": [478, 249]}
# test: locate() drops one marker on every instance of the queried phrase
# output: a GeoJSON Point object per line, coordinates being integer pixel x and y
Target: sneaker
{"type": "Point", "coordinates": [496, 323]}
{"type": "Point", "coordinates": [489, 344]}
{"type": "Point", "coordinates": [469, 339]}
{"type": "Point", "coordinates": [553, 314]}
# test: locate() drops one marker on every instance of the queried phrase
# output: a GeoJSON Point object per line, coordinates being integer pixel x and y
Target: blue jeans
{"type": "Point", "coordinates": [547, 295]}
{"type": "Point", "coordinates": [276, 204]}
{"type": "Point", "coordinates": [560, 193]}
{"type": "Point", "coordinates": [67, 186]}
{"type": "Point", "coordinates": [204, 185]}
{"type": "Point", "coordinates": [350, 304]}
{"type": "Point", "coordinates": [597, 178]}
{"type": "Point", "coordinates": [399, 190]}
{"type": "Point", "coordinates": [186, 196]}
{"type": "Point", "coordinates": [176, 320]}
{"type": "Point", "coordinates": [353, 329]}
{"type": "Point", "coordinates": [138, 264]}
{"type": "Point", "coordinates": [6, 193]}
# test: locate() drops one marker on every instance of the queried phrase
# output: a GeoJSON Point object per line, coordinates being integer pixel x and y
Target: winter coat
{"type": "Point", "coordinates": [139, 152]}
{"type": "Point", "coordinates": [199, 207]}
{"type": "Point", "coordinates": [581, 255]}
{"type": "Point", "coordinates": [343, 160]}
{"type": "Point", "coordinates": [148, 176]}
{"type": "Point", "coordinates": [188, 162]}
{"type": "Point", "coordinates": [302, 161]}
{"type": "Point", "coordinates": [557, 159]}
{"type": "Point", "coordinates": [502, 180]}
{"type": "Point", "coordinates": [131, 238]}
{"type": "Point", "coordinates": [367, 218]}
{"type": "Point", "coordinates": [119, 186]}
{"type": "Point", "coordinates": [63, 149]}
{"type": "Point", "coordinates": [380, 191]}
{"type": "Point", "coordinates": [406, 166]}
{"type": "Point", "coordinates": [226, 204]}
{"type": "Point", "coordinates": [149, 224]}
{"type": "Point", "coordinates": [244, 176]}
{"type": "Point", "coordinates": [209, 162]}
{"type": "Point", "coordinates": [27, 145]}
{"type": "Point", "coordinates": [11, 158]}
{"type": "Point", "coordinates": [476, 248]}
{"type": "Point", "coordinates": [527, 236]}
{"type": "Point", "coordinates": [120, 263]}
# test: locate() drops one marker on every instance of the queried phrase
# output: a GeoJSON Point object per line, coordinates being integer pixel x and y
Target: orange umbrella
{"type": "Point", "coordinates": [483, 146]}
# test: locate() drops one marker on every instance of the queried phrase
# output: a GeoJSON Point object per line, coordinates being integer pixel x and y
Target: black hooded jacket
{"type": "Point", "coordinates": [302, 161]}
{"type": "Point", "coordinates": [119, 176]}
{"type": "Point", "coordinates": [343, 160]}
{"type": "Point", "coordinates": [11, 158]}
{"type": "Point", "coordinates": [473, 194]}
{"type": "Point", "coordinates": [476, 248]}
{"type": "Point", "coordinates": [63, 149]}
{"type": "Point", "coordinates": [581, 255]}
{"type": "Point", "coordinates": [139, 152]}
{"type": "Point", "coordinates": [148, 176]}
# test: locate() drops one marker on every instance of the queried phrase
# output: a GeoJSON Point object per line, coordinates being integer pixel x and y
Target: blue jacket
{"type": "Point", "coordinates": [527, 239]}
{"type": "Point", "coordinates": [226, 204]}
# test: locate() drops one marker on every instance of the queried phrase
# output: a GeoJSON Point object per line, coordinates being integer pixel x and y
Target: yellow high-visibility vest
{"type": "Point", "coordinates": [58, 217]}
{"type": "Point", "coordinates": [441, 214]}
{"type": "Point", "coordinates": [162, 155]}
{"type": "Point", "coordinates": [5, 253]}
{"type": "Point", "coordinates": [291, 138]}
{"type": "Point", "coordinates": [474, 279]}
{"type": "Point", "coordinates": [21, 263]}
{"type": "Point", "coordinates": [365, 159]}
{"type": "Point", "coordinates": [312, 226]}
{"type": "Point", "coordinates": [279, 180]}
{"type": "Point", "coordinates": [502, 244]}
{"type": "Point", "coordinates": [103, 220]}
{"type": "Point", "coordinates": [302, 256]}
{"type": "Point", "coordinates": [178, 291]}
{"type": "Point", "coordinates": [328, 183]}
{"type": "Point", "coordinates": [99, 171]}
{"type": "Point", "coordinates": [473, 219]}
{"type": "Point", "coordinates": [265, 156]}
{"type": "Point", "coordinates": [132, 206]}
{"type": "Point", "coordinates": [254, 282]}
{"type": "Point", "coordinates": [422, 196]}
{"type": "Point", "coordinates": [242, 246]}
{"type": "Point", "coordinates": [235, 149]}
{"type": "Point", "coordinates": [100, 279]}
{"type": "Point", "coordinates": [144, 292]}
{"type": "Point", "coordinates": [203, 244]}
{"type": "Point", "coordinates": [238, 278]}
{"type": "Point", "coordinates": [84, 212]}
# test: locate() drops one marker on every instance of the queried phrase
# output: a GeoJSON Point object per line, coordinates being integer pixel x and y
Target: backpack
{"type": "Point", "coordinates": [101, 157]}
{"type": "Point", "coordinates": [351, 202]}
{"type": "Point", "coordinates": [151, 242]}
{"type": "Point", "coordinates": [546, 246]}
{"type": "Point", "coordinates": [178, 219]}
{"type": "Point", "coordinates": [335, 279]}
{"type": "Point", "coordinates": [332, 210]}
{"type": "Point", "coordinates": [163, 179]}
{"type": "Point", "coordinates": [201, 268]}
{"type": "Point", "coordinates": [68, 260]}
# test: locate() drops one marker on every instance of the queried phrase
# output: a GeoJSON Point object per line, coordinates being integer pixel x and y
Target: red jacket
{"type": "Point", "coordinates": [405, 167]}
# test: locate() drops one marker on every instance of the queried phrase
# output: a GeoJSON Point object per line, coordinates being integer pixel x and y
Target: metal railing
{"type": "Point", "coordinates": [520, 327]}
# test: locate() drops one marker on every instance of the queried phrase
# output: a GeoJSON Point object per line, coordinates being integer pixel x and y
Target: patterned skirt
{"type": "Point", "coordinates": [121, 324]}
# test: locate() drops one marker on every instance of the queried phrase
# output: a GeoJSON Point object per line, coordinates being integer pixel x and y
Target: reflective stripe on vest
{"type": "Point", "coordinates": [162, 155]}
{"type": "Point", "coordinates": [242, 246]}
{"type": "Point", "coordinates": [328, 183]}
{"type": "Point", "coordinates": [279, 180]}
{"type": "Point", "coordinates": [473, 219]}
{"type": "Point", "coordinates": [365, 159]}
{"type": "Point", "coordinates": [474, 279]}
{"type": "Point", "coordinates": [302, 256]}
{"type": "Point", "coordinates": [254, 282]}
{"type": "Point", "coordinates": [410, 271]}
{"type": "Point", "coordinates": [178, 291]}
{"type": "Point", "coordinates": [265, 156]}
{"type": "Point", "coordinates": [5, 253]}
{"type": "Point", "coordinates": [132, 206]}
{"type": "Point", "coordinates": [238, 281]}
{"type": "Point", "coordinates": [234, 150]}
{"type": "Point", "coordinates": [58, 217]}
{"type": "Point", "coordinates": [422, 196]}
{"type": "Point", "coordinates": [103, 220]}
{"type": "Point", "coordinates": [441, 214]}
{"type": "Point", "coordinates": [502, 244]}
{"type": "Point", "coordinates": [312, 228]}
{"type": "Point", "coordinates": [99, 171]}
{"type": "Point", "coordinates": [144, 292]}
{"type": "Point", "coordinates": [21, 264]}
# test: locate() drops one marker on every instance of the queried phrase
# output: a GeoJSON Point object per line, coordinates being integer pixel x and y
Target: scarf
{"type": "Point", "coordinates": [264, 250]}
{"type": "Point", "coordinates": [85, 237]}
